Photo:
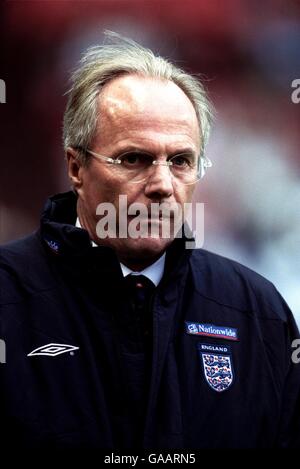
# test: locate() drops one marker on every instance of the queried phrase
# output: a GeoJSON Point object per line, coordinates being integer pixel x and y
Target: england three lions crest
{"type": "Point", "coordinates": [217, 366]}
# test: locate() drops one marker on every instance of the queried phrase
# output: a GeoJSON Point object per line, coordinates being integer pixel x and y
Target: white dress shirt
{"type": "Point", "coordinates": [153, 272]}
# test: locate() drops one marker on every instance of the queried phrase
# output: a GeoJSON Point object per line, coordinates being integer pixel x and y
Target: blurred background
{"type": "Point", "coordinates": [248, 53]}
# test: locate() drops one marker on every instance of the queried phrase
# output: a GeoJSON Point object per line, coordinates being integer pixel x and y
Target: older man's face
{"type": "Point", "coordinates": [147, 114]}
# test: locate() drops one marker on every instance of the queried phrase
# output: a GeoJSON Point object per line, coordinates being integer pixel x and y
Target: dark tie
{"type": "Point", "coordinates": [141, 290]}
{"type": "Point", "coordinates": [138, 364]}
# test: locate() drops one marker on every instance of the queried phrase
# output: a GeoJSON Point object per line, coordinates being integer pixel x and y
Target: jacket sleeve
{"type": "Point", "coordinates": [289, 429]}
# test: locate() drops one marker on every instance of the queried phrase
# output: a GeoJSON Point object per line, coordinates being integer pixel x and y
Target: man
{"type": "Point", "coordinates": [126, 341]}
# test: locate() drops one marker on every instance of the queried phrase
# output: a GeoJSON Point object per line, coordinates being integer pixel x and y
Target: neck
{"type": "Point", "coordinates": [137, 265]}
{"type": "Point", "coordinates": [85, 221]}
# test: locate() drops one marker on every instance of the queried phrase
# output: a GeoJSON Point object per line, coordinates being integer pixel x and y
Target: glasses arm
{"type": "Point", "coordinates": [204, 164]}
{"type": "Point", "coordinates": [98, 156]}
{"type": "Point", "coordinates": [105, 158]}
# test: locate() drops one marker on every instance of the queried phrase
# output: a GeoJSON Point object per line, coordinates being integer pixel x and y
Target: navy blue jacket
{"type": "Point", "coordinates": [217, 374]}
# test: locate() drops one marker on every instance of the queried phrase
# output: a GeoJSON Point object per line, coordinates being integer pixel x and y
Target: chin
{"type": "Point", "coordinates": [141, 248]}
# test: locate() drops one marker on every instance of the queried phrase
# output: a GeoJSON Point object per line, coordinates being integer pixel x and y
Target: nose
{"type": "Point", "coordinates": [160, 183]}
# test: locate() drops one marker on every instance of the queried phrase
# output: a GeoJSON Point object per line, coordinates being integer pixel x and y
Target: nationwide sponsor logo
{"type": "Point", "coordinates": [217, 366]}
{"type": "Point", "coordinates": [52, 350]}
{"type": "Point", "coordinates": [210, 330]}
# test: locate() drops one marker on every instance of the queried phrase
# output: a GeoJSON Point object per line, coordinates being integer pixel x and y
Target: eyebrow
{"type": "Point", "coordinates": [184, 151]}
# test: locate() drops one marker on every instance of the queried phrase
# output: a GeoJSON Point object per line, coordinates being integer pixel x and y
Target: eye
{"type": "Point", "coordinates": [135, 160]}
{"type": "Point", "coordinates": [131, 158]}
{"type": "Point", "coordinates": [181, 161]}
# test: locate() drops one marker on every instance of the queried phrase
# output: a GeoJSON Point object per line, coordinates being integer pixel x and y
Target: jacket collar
{"type": "Point", "coordinates": [57, 225]}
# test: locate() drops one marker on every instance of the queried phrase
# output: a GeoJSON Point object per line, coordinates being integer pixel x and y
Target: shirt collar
{"type": "Point", "coordinates": [153, 272]}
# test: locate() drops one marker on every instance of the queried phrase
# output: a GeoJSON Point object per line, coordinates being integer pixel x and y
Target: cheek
{"type": "Point", "coordinates": [189, 193]}
{"type": "Point", "coordinates": [99, 187]}
{"type": "Point", "coordinates": [133, 192]}
{"type": "Point", "coordinates": [184, 194]}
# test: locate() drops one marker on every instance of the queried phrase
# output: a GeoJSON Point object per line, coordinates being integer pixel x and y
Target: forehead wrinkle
{"type": "Point", "coordinates": [133, 123]}
{"type": "Point", "coordinates": [151, 139]}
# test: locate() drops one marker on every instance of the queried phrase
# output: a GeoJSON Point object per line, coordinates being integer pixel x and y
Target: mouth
{"type": "Point", "coordinates": [149, 220]}
{"type": "Point", "coordinates": [168, 215]}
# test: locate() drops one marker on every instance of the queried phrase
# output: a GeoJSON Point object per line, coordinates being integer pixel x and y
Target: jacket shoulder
{"type": "Point", "coordinates": [235, 285]}
{"type": "Point", "coordinates": [23, 269]}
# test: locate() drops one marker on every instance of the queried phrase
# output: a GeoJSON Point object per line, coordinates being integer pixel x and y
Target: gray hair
{"type": "Point", "coordinates": [120, 56]}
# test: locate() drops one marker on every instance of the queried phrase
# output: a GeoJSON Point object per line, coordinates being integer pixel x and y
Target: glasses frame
{"type": "Point", "coordinates": [204, 163]}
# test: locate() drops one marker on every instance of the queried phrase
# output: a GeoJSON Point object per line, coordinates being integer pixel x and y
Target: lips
{"type": "Point", "coordinates": [152, 220]}
{"type": "Point", "coordinates": [165, 215]}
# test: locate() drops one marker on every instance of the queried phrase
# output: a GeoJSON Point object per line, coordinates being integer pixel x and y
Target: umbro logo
{"type": "Point", "coordinates": [52, 350]}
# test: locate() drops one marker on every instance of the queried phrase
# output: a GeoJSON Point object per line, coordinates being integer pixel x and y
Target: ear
{"type": "Point", "coordinates": [74, 168]}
